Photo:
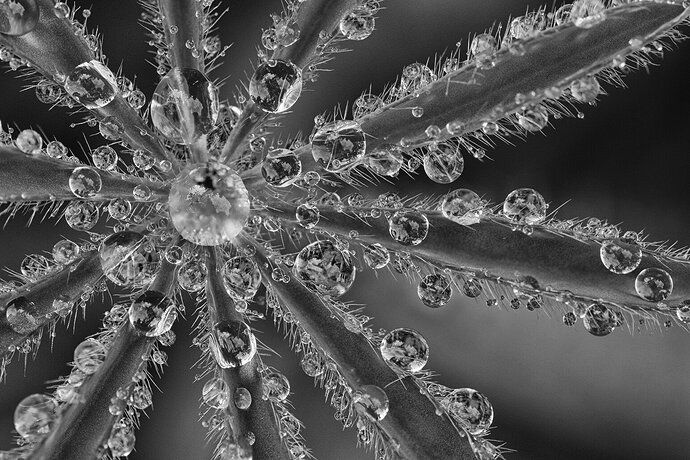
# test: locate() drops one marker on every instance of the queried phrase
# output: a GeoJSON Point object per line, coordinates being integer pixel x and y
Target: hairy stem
{"type": "Point", "coordinates": [313, 18]}
{"type": "Point", "coordinates": [54, 49]}
{"type": "Point", "coordinates": [65, 285]}
{"type": "Point", "coordinates": [559, 263]}
{"type": "Point", "coordinates": [41, 178]}
{"type": "Point", "coordinates": [85, 425]}
{"type": "Point", "coordinates": [260, 418]}
{"type": "Point", "coordinates": [184, 17]}
{"type": "Point", "coordinates": [411, 423]}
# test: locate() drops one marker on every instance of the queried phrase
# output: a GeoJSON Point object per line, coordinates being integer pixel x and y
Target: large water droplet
{"type": "Point", "coordinates": [104, 157]}
{"type": "Point", "coordinates": [434, 290]}
{"type": "Point", "coordinates": [216, 394]}
{"type": "Point", "coordinates": [620, 257]}
{"type": "Point", "coordinates": [276, 85]}
{"type": "Point", "coordinates": [241, 277]}
{"type": "Point", "coordinates": [19, 317]}
{"type": "Point", "coordinates": [281, 168]}
{"type": "Point", "coordinates": [92, 84]}
{"type": "Point", "coordinates": [405, 349]}
{"type": "Point", "coordinates": [232, 344]}
{"type": "Point", "coordinates": [338, 145]}
{"type": "Point", "coordinates": [152, 314]}
{"type": "Point", "coordinates": [470, 408]}
{"type": "Point", "coordinates": [654, 284]}
{"type": "Point", "coordinates": [85, 182]}
{"type": "Point", "coordinates": [18, 17]}
{"type": "Point", "coordinates": [599, 320]}
{"type": "Point", "coordinates": [322, 267]}
{"type": "Point", "coordinates": [358, 24]}
{"type": "Point", "coordinates": [444, 164]}
{"type": "Point", "coordinates": [385, 160]}
{"type": "Point", "coordinates": [371, 401]}
{"type": "Point", "coordinates": [82, 215]}
{"type": "Point", "coordinates": [34, 416]}
{"type": "Point", "coordinates": [525, 205]}
{"type": "Point", "coordinates": [184, 106]}
{"type": "Point", "coordinates": [88, 355]}
{"type": "Point", "coordinates": [408, 227]}
{"type": "Point", "coordinates": [209, 204]}
{"type": "Point", "coordinates": [276, 386]}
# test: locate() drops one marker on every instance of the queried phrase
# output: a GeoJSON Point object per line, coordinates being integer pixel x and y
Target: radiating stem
{"type": "Point", "coordinates": [65, 285]}
{"type": "Point", "coordinates": [41, 178]}
{"type": "Point", "coordinates": [559, 263]}
{"type": "Point", "coordinates": [260, 418]}
{"type": "Point", "coordinates": [184, 18]}
{"type": "Point", "coordinates": [85, 425]}
{"type": "Point", "coordinates": [411, 423]}
{"type": "Point", "coordinates": [54, 49]}
{"type": "Point", "coordinates": [551, 59]}
{"type": "Point", "coordinates": [314, 17]}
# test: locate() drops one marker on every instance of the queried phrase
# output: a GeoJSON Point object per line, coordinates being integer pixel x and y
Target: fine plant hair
{"type": "Point", "coordinates": [304, 220]}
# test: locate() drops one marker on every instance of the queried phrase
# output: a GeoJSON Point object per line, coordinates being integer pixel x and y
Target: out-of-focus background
{"type": "Point", "coordinates": [557, 392]}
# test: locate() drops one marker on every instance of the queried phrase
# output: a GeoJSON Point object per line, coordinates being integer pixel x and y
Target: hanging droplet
{"type": "Point", "coordinates": [569, 319]}
{"type": "Point", "coordinates": [19, 317]}
{"type": "Point", "coordinates": [620, 257]}
{"type": "Point", "coordinates": [209, 204]}
{"type": "Point", "coordinates": [525, 205]}
{"type": "Point", "coordinates": [191, 276]}
{"type": "Point", "coordinates": [34, 267]}
{"type": "Point", "coordinates": [281, 168]}
{"type": "Point", "coordinates": [65, 252]}
{"type": "Point", "coordinates": [585, 89]}
{"type": "Point", "coordinates": [587, 13]}
{"type": "Point", "coordinates": [18, 17]}
{"type": "Point", "coordinates": [184, 106]}
{"type": "Point", "coordinates": [408, 227]}
{"type": "Point", "coordinates": [338, 145]}
{"type": "Point", "coordinates": [241, 277]}
{"type": "Point", "coordinates": [654, 284]}
{"type": "Point", "coordinates": [385, 160]}
{"type": "Point", "coordinates": [376, 256]}
{"type": "Point", "coordinates": [307, 215]}
{"type": "Point", "coordinates": [371, 401]}
{"type": "Point", "coordinates": [216, 394]}
{"type": "Point", "coordinates": [85, 182]}
{"type": "Point", "coordinates": [276, 386]}
{"type": "Point", "coordinates": [232, 344]}
{"type": "Point", "coordinates": [599, 320]}
{"type": "Point", "coordinates": [82, 215]}
{"type": "Point", "coordinates": [358, 24]}
{"type": "Point", "coordinates": [92, 84]}
{"type": "Point", "coordinates": [443, 164]}
{"type": "Point", "coordinates": [472, 288]}
{"type": "Point", "coordinates": [405, 349]}
{"type": "Point", "coordinates": [242, 398]}
{"type": "Point", "coordinates": [122, 438]}
{"type": "Point", "coordinates": [152, 314]}
{"type": "Point", "coordinates": [533, 118]}
{"type": "Point", "coordinates": [276, 85]}
{"type": "Point", "coordinates": [88, 355]}
{"type": "Point", "coordinates": [470, 408]}
{"type": "Point", "coordinates": [434, 290]}
{"type": "Point", "coordinates": [29, 141]}
{"type": "Point", "coordinates": [322, 267]}
{"type": "Point", "coordinates": [105, 158]}
{"type": "Point", "coordinates": [34, 416]}
{"type": "Point", "coordinates": [311, 364]}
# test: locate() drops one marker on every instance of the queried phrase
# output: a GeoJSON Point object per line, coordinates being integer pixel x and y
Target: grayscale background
{"type": "Point", "coordinates": [557, 392]}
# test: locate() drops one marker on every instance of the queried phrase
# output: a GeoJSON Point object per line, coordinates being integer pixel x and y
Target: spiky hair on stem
{"type": "Point", "coordinates": [212, 206]}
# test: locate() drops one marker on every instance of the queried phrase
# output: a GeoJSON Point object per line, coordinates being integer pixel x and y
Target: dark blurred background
{"type": "Point", "coordinates": [557, 392]}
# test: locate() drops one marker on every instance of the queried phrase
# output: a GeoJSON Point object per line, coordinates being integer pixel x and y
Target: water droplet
{"type": "Point", "coordinates": [358, 24]}
{"type": "Point", "coordinates": [569, 319]}
{"type": "Point", "coordinates": [92, 84]}
{"type": "Point", "coordinates": [371, 401]}
{"type": "Point", "coordinates": [434, 290]}
{"type": "Point", "coordinates": [18, 17]}
{"type": "Point", "coordinates": [152, 314]}
{"type": "Point", "coordinates": [483, 49]}
{"type": "Point", "coordinates": [29, 141]}
{"type": "Point", "coordinates": [533, 118]}
{"type": "Point", "coordinates": [88, 355]}
{"type": "Point", "coordinates": [241, 277]}
{"type": "Point", "coordinates": [470, 408]}
{"type": "Point", "coordinates": [338, 145]}
{"type": "Point", "coordinates": [472, 288]}
{"type": "Point", "coordinates": [34, 416]}
{"type": "Point", "coordinates": [104, 157]}
{"type": "Point", "coordinates": [65, 252]}
{"type": "Point", "coordinates": [276, 386]}
{"type": "Point", "coordinates": [443, 164]}
{"type": "Point", "coordinates": [408, 227]}
{"type": "Point", "coordinates": [216, 394]}
{"type": "Point", "coordinates": [385, 160]}
{"type": "Point", "coordinates": [82, 215]}
{"type": "Point", "coordinates": [122, 438]}
{"type": "Point", "coordinates": [209, 204]}
{"type": "Point", "coordinates": [232, 344]}
{"type": "Point", "coordinates": [311, 364]}
{"type": "Point", "coordinates": [276, 85]}
{"type": "Point", "coordinates": [585, 89]}
{"type": "Point", "coordinates": [620, 257]}
{"type": "Point", "coordinates": [405, 349]}
{"type": "Point", "coordinates": [525, 205]}
{"type": "Point", "coordinates": [242, 398]}
{"type": "Point", "coordinates": [461, 206]}
{"type": "Point", "coordinates": [683, 312]}
{"type": "Point", "coordinates": [376, 256]}
{"type": "Point", "coordinates": [587, 13]}
{"type": "Point", "coordinates": [61, 10]}
{"type": "Point", "coordinates": [281, 168]}
{"type": "Point", "coordinates": [85, 182]}
{"type": "Point", "coordinates": [18, 316]}
{"type": "Point", "coordinates": [191, 276]}
{"type": "Point", "coordinates": [322, 267]}
{"type": "Point", "coordinates": [125, 259]}
{"type": "Point", "coordinates": [56, 149]}
{"type": "Point", "coordinates": [307, 215]}
{"type": "Point", "coordinates": [184, 106]}
{"type": "Point", "coordinates": [654, 284]}
{"type": "Point", "coordinates": [119, 208]}
{"type": "Point", "coordinates": [111, 128]}
{"type": "Point", "coordinates": [599, 320]}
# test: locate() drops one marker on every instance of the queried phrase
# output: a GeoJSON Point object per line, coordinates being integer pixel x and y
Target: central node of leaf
{"type": "Point", "coordinates": [209, 204]}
